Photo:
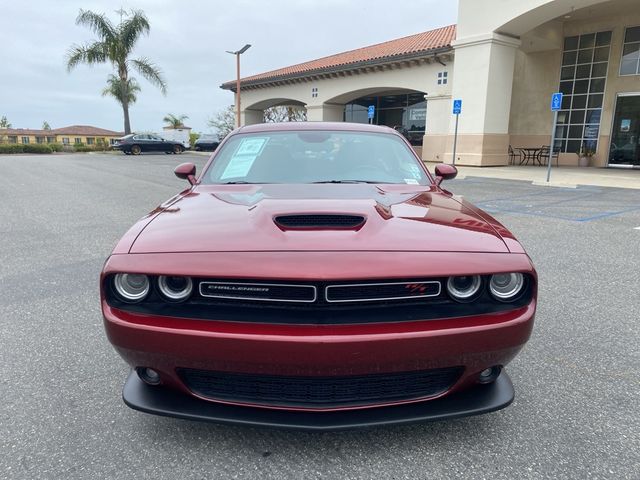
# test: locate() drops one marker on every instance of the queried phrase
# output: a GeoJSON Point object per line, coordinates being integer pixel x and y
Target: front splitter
{"type": "Point", "coordinates": [163, 401]}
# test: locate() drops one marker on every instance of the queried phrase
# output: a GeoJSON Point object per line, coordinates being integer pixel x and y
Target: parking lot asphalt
{"type": "Point", "coordinates": [577, 408]}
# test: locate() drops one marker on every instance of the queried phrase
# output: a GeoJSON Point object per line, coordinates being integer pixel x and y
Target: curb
{"type": "Point", "coordinates": [553, 184]}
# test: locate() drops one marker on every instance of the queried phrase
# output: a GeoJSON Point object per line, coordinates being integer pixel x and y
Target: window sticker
{"type": "Point", "coordinates": [415, 171]}
{"type": "Point", "coordinates": [243, 158]}
{"type": "Point", "coordinates": [251, 146]}
{"type": "Point", "coordinates": [410, 181]}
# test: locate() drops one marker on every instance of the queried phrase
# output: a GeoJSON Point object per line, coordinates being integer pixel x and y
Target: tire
{"type": "Point", "coordinates": [136, 149]}
{"type": "Point", "coordinates": [178, 149]}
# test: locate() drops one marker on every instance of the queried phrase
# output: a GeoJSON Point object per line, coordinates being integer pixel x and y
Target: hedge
{"type": "Point", "coordinates": [24, 148]}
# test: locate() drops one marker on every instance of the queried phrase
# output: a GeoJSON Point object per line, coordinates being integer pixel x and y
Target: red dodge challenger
{"type": "Point", "coordinates": [317, 276]}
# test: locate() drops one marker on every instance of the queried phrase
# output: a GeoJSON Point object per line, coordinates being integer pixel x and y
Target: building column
{"type": "Point", "coordinates": [483, 73]}
{"type": "Point", "coordinates": [327, 112]}
{"type": "Point", "coordinates": [251, 117]}
{"type": "Point", "coordinates": [434, 142]}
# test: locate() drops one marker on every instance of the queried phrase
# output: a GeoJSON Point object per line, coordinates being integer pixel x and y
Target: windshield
{"type": "Point", "coordinates": [315, 157]}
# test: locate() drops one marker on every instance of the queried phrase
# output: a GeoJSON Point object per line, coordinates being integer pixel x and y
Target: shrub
{"type": "Point", "coordinates": [193, 136]}
{"type": "Point", "coordinates": [36, 148]}
{"type": "Point", "coordinates": [11, 148]}
{"type": "Point", "coordinates": [55, 147]}
{"type": "Point", "coordinates": [24, 148]}
{"type": "Point", "coordinates": [79, 147]}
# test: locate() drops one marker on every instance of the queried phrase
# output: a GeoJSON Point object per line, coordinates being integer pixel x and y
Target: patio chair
{"type": "Point", "coordinates": [513, 155]}
{"type": "Point", "coordinates": [545, 153]}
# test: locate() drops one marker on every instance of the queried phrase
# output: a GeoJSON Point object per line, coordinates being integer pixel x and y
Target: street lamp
{"type": "Point", "coordinates": [237, 54]}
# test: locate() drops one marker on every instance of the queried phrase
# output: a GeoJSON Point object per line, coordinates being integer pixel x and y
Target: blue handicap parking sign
{"type": "Point", "coordinates": [457, 107]}
{"type": "Point", "coordinates": [556, 102]}
{"type": "Point", "coordinates": [371, 111]}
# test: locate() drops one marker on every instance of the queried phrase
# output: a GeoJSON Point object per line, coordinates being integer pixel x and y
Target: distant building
{"type": "Point", "coordinates": [72, 135]}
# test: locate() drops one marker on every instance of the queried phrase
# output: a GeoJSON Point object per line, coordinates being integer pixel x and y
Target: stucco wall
{"type": "Point", "coordinates": [515, 17]}
{"type": "Point", "coordinates": [333, 93]}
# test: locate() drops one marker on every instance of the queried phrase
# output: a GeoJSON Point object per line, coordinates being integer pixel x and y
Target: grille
{"type": "Point", "coordinates": [319, 221]}
{"type": "Point", "coordinates": [319, 392]}
{"type": "Point", "coordinates": [266, 292]}
{"type": "Point", "coordinates": [367, 292]}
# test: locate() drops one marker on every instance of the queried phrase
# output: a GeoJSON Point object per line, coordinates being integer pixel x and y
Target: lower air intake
{"type": "Point", "coordinates": [319, 392]}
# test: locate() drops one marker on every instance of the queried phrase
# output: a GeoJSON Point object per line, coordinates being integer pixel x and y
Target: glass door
{"type": "Point", "coordinates": [625, 137]}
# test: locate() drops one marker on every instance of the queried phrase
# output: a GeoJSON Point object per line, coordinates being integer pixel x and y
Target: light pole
{"type": "Point", "coordinates": [237, 54]}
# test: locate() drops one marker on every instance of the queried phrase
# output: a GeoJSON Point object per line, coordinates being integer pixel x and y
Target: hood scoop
{"type": "Point", "coordinates": [317, 221]}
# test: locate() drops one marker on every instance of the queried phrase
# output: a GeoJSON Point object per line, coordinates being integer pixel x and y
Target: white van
{"type": "Point", "coordinates": [176, 135]}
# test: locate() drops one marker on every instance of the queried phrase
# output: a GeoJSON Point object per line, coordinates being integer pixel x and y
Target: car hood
{"type": "Point", "coordinates": [227, 218]}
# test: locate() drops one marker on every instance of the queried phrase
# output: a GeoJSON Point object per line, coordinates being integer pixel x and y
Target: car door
{"type": "Point", "coordinates": [161, 144]}
{"type": "Point", "coordinates": [155, 143]}
{"type": "Point", "coordinates": [143, 141]}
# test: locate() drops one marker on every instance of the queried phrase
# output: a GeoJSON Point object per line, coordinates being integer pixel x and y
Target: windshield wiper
{"type": "Point", "coordinates": [237, 182]}
{"type": "Point", "coordinates": [348, 181]}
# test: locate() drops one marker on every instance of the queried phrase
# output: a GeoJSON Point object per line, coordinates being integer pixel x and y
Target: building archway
{"type": "Point", "coordinates": [402, 109]}
{"type": "Point", "coordinates": [294, 110]}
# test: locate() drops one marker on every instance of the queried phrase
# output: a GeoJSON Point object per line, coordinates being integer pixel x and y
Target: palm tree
{"type": "Point", "coordinates": [174, 121]}
{"type": "Point", "coordinates": [4, 123]}
{"type": "Point", "coordinates": [115, 45]}
{"type": "Point", "coordinates": [122, 90]}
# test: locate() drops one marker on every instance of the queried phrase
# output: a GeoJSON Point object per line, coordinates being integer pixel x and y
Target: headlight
{"type": "Point", "coordinates": [132, 287]}
{"type": "Point", "coordinates": [506, 286]}
{"type": "Point", "coordinates": [175, 288]}
{"type": "Point", "coordinates": [464, 288]}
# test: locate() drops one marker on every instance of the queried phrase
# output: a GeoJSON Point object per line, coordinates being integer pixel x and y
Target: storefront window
{"type": "Point", "coordinates": [585, 62]}
{"type": "Point", "coordinates": [404, 112]}
{"type": "Point", "coordinates": [630, 64]}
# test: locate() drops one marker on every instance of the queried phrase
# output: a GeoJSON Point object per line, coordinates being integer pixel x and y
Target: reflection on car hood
{"type": "Point", "coordinates": [225, 218]}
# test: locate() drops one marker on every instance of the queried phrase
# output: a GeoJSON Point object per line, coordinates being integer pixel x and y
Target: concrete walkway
{"type": "Point", "coordinates": [568, 177]}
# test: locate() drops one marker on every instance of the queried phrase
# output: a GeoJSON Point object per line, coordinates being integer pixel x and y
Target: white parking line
{"type": "Point", "coordinates": [637, 228]}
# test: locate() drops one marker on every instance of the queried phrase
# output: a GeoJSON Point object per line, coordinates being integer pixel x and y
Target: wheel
{"type": "Point", "coordinates": [135, 149]}
{"type": "Point", "coordinates": [178, 149]}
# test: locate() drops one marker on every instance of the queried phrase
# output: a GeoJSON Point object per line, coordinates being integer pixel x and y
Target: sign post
{"type": "Point", "coordinates": [371, 111]}
{"type": "Point", "coordinates": [457, 110]}
{"type": "Point", "coordinates": [556, 104]}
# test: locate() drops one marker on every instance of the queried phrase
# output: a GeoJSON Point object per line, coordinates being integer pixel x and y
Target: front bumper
{"type": "Point", "coordinates": [163, 401]}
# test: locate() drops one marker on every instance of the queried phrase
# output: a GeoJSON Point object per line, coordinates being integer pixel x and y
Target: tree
{"type": "Point", "coordinates": [46, 126]}
{"type": "Point", "coordinates": [175, 121]}
{"type": "Point", "coordinates": [224, 121]}
{"type": "Point", "coordinates": [4, 123]}
{"type": "Point", "coordinates": [115, 45]}
{"type": "Point", "coordinates": [283, 113]}
{"type": "Point", "coordinates": [120, 90]}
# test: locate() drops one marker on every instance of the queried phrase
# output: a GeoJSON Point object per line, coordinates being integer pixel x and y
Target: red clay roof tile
{"type": "Point", "coordinates": [419, 43]}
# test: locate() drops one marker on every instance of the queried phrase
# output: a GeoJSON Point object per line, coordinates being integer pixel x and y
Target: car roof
{"type": "Point", "coordinates": [302, 126]}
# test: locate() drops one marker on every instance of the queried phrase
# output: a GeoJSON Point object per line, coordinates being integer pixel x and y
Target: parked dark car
{"type": "Point", "coordinates": [206, 143]}
{"type": "Point", "coordinates": [136, 143]}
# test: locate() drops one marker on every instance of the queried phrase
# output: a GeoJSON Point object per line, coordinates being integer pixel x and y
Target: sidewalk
{"type": "Point", "coordinates": [568, 177]}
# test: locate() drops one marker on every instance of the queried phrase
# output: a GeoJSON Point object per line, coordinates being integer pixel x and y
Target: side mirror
{"type": "Point", "coordinates": [444, 171]}
{"type": "Point", "coordinates": [186, 171]}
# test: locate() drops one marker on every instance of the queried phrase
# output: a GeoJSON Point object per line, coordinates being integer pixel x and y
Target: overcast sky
{"type": "Point", "coordinates": [188, 40]}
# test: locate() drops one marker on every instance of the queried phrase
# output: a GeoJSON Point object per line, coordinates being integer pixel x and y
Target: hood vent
{"type": "Point", "coordinates": [319, 221]}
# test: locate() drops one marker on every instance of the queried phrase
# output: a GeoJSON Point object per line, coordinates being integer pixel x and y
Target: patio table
{"type": "Point", "coordinates": [530, 153]}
